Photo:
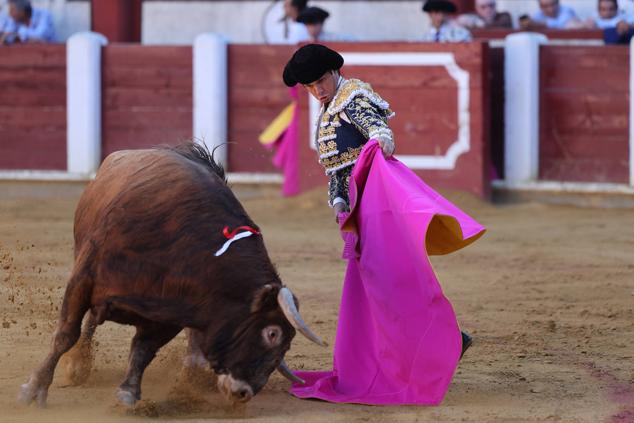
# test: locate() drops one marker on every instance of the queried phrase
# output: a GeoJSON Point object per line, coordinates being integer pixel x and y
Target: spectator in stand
{"type": "Point", "coordinates": [285, 30]}
{"type": "Point", "coordinates": [26, 24]}
{"type": "Point", "coordinates": [551, 15]}
{"type": "Point", "coordinates": [314, 18]}
{"type": "Point", "coordinates": [443, 29]}
{"type": "Point", "coordinates": [617, 25]}
{"type": "Point", "coordinates": [486, 16]}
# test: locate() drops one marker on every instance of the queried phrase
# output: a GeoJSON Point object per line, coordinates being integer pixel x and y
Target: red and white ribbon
{"type": "Point", "coordinates": [234, 236]}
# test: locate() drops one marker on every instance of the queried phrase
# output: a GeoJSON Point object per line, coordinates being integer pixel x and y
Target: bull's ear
{"type": "Point", "coordinates": [265, 298]}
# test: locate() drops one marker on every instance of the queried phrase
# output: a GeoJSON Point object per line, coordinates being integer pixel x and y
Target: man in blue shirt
{"type": "Point", "coordinates": [551, 15]}
{"type": "Point", "coordinates": [26, 24]}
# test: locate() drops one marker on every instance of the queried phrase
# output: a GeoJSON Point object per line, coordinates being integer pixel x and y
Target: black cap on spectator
{"type": "Point", "coordinates": [439, 6]}
{"type": "Point", "coordinates": [309, 63]}
{"type": "Point", "coordinates": [313, 15]}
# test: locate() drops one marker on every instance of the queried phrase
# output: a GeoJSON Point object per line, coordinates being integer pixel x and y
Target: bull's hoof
{"type": "Point", "coordinates": [126, 398]}
{"type": "Point", "coordinates": [32, 391]}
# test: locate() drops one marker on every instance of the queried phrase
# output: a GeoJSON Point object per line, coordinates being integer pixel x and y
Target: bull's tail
{"type": "Point", "coordinates": [199, 153]}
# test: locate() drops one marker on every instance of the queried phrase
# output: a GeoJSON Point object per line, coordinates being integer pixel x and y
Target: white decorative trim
{"type": "Point", "coordinates": [329, 154]}
{"type": "Point", "coordinates": [370, 95]}
{"type": "Point", "coordinates": [632, 112]}
{"type": "Point", "coordinates": [332, 170]}
{"type": "Point", "coordinates": [327, 138]}
{"type": "Point", "coordinates": [462, 144]}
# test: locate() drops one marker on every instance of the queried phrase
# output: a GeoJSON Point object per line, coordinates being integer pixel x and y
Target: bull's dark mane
{"type": "Point", "coordinates": [198, 153]}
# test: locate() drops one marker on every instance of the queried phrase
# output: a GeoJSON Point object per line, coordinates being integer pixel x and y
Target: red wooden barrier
{"type": "Point", "coordinates": [553, 34]}
{"type": "Point", "coordinates": [147, 96]}
{"type": "Point", "coordinates": [584, 113]}
{"type": "Point", "coordinates": [425, 99]}
{"type": "Point", "coordinates": [33, 107]}
{"type": "Point", "coordinates": [256, 95]}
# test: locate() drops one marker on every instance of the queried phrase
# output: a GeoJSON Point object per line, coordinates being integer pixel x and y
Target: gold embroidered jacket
{"type": "Point", "coordinates": [355, 115]}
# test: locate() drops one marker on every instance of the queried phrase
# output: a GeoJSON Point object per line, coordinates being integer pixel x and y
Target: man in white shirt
{"type": "Point", "coordinates": [609, 16]}
{"type": "Point", "coordinates": [26, 24]}
{"type": "Point", "coordinates": [551, 15]}
{"type": "Point", "coordinates": [285, 30]}
{"type": "Point", "coordinates": [442, 28]}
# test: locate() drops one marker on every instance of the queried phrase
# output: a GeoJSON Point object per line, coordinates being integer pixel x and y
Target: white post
{"type": "Point", "coordinates": [210, 93]}
{"type": "Point", "coordinates": [83, 102]}
{"type": "Point", "coordinates": [521, 106]}
{"type": "Point", "coordinates": [632, 112]}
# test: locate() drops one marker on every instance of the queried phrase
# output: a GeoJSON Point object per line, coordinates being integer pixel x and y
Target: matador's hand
{"type": "Point", "coordinates": [387, 146]}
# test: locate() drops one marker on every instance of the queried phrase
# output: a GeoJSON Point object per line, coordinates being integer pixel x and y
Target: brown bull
{"type": "Point", "coordinates": [146, 230]}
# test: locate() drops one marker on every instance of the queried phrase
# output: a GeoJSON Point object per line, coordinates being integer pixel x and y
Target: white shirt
{"type": "Point", "coordinates": [448, 32]}
{"type": "Point", "coordinates": [566, 14]}
{"type": "Point", "coordinates": [611, 23]}
{"type": "Point", "coordinates": [280, 30]}
{"type": "Point", "coordinates": [40, 27]}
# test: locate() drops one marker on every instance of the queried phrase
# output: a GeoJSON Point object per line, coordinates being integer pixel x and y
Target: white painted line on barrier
{"type": "Point", "coordinates": [560, 186]}
{"type": "Point", "coordinates": [462, 144]}
{"type": "Point", "coordinates": [61, 176]}
{"type": "Point", "coordinates": [43, 175]}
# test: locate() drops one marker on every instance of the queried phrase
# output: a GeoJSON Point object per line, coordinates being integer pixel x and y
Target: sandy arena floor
{"type": "Point", "coordinates": [548, 294]}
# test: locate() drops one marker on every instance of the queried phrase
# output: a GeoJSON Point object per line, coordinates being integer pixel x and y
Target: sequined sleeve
{"type": "Point", "coordinates": [367, 119]}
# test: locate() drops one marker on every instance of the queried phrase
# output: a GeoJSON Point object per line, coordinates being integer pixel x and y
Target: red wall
{"type": "Point", "coordinates": [256, 95]}
{"type": "Point", "coordinates": [584, 113]}
{"type": "Point", "coordinates": [33, 107]}
{"type": "Point", "coordinates": [147, 96]}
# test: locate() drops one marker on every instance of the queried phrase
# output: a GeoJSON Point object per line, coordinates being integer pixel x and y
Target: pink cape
{"type": "Point", "coordinates": [287, 151]}
{"type": "Point", "coordinates": [398, 341]}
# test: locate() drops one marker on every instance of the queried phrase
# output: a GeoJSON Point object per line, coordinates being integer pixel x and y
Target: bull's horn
{"type": "Point", "coordinates": [288, 373]}
{"type": "Point", "coordinates": [286, 302]}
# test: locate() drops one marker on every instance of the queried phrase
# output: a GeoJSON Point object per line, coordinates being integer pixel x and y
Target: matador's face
{"type": "Point", "coordinates": [325, 88]}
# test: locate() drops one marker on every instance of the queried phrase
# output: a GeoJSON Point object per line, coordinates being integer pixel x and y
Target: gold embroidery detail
{"type": "Point", "coordinates": [334, 163]}
{"type": "Point", "coordinates": [327, 147]}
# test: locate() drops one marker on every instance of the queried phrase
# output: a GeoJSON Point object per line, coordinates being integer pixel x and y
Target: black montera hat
{"type": "Point", "coordinates": [439, 6]}
{"type": "Point", "coordinates": [312, 15]}
{"type": "Point", "coordinates": [309, 63]}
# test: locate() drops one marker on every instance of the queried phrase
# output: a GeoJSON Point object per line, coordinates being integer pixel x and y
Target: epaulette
{"type": "Point", "coordinates": [351, 89]}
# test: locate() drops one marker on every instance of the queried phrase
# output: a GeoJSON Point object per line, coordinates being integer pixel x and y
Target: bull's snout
{"type": "Point", "coordinates": [234, 390]}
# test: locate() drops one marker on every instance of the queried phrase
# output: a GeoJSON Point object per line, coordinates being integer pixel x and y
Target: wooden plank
{"type": "Point", "coordinates": [135, 138]}
{"type": "Point", "coordinates": [32, 98]}
{"type": "Point", "coordinates": [584, 146]}
{"type": "Point", "coordinates": [150, 117]}
{"type": "Point", "coordinates": [589, 170]}
{"type": "Point", "coordinates": [46, 149]}
{"type": "Point", "coordinates": [33, 55]}
{"type": "Point", "coordinates": [127, 97]}
{"type": "Point", "coordinates": [139, 77]}
{"type": "Point", "coordinates": [269, 98]}
{"type": "Point", "coordinates": [147, 56]}
{"type": "Point", "coordinates": [584, 80]}
{"type": "Point", "coordinates": [33, 118]}
{"type": "Point", "coordinates": [32, 77]}
{"type": "Point", "coordinates": [554, 34]}
{"type": "Point", "coordinates": [579, 57]}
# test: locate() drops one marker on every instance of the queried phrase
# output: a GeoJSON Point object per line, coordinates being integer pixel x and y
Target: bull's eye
{"type": "Point", "coordinates": [272, 336]}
